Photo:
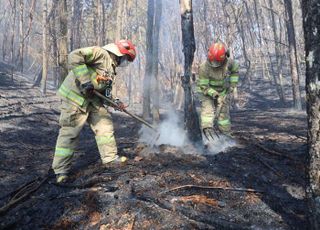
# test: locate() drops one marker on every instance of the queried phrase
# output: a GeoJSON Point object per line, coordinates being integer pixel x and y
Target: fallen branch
{"type": "Point", "coordinates": [210, 222]}
{"type": "Point", "coordinates": [22, 194]}
{"type": "Point", "coordinates": [268, 166]}
{"type": "Point", "coordinates": [210, 187]}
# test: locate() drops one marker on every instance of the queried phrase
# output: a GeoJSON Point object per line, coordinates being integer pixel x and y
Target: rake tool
{"type": "Point", "coordinates": [115, 105]}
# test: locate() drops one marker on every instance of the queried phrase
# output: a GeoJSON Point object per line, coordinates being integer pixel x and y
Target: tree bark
{"type": "Point", "coordinates": [278, 81]}
{"type": "Point", "coordinates": [293, 56]}
{"type": "Point", "coordinates": [155, 62]}
{"type": "Point", "coordinates": [148, 71]}
{"type": "Point", "coordinates": [63, 40]}
{"type": "Point", "coordinates": [21, 42]}
{"type": "Point", "coordinates": [190, 115]}
{"type": "Point", "coordinates": [44, 48]}
{"type": "Point", "coordinates": [311, 24]}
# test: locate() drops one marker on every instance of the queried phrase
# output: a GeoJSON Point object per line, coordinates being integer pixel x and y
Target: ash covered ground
{"type": "Point", "coordinates": [257, 184]}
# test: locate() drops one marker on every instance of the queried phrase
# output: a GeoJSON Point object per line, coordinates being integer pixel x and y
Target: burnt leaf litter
{"type": "Point", "coordinates": [258, 184]}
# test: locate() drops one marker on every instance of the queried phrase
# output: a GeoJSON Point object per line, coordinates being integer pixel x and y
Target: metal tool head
{"type": "Point", "coordinates": [209, 133]}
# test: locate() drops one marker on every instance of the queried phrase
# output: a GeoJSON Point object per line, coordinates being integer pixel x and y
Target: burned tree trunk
{"type": "Point", "coordinates": [311, 17]}
{"type": "Point", "coordinates": [293, 56]}
{"type": "Point", "coordinates": [190, 116]}
{"type": "Point", "coordinates": [147, 77]}
{"type": "Point", "coordinates": [155, 55]}
{"type": "Point", "coordinates": [44, 48]}
{"type": "Point", "coordinates": [63, 39]}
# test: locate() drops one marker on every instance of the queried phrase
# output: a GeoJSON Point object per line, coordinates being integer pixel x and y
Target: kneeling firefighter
{"type": "Point", "coordinates": [91, 68]}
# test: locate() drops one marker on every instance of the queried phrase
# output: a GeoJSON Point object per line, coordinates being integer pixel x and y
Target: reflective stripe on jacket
{"type": "Point", "coordinates": [213, 81]}
{"type": "Point", "coordinates": [84, 65]}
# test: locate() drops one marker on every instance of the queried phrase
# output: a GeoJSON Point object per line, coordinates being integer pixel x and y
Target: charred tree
{"type": "Point", "coordinates": [311, 21]}
{"type": "Point", "coordinates": [293, 56]}
{"type": "Point", "coordinates": [148, 71]}
{"type": "Point", "coordinates": [75, 38]}
{"type": "Point", "coordinates": [190, 115]}
{"type": "Point", "coordinates": [155, 61]}
{"type": "Point", "coordinates": [63, 39]}
{"type": "Point", "coordinates": [278, 81]}
{"type": "Point", "coordinates": [44, 48]}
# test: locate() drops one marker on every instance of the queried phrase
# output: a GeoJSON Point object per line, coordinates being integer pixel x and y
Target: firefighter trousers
{"type": "Point", "coordinates": [71, 121]}
{"type": "Point", "coordinates": [208, 107]}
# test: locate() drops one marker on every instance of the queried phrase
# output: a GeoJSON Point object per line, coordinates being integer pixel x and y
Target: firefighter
{"type": "Point", "coordinates": [91, 68]}
{"type": "Point", "coordinates": [218, 77]}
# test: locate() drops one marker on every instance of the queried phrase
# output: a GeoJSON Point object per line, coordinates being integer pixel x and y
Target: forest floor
{"type": "Point", "coordinates": [258, 184]}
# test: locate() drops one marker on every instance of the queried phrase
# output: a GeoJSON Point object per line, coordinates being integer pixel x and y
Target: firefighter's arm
{"type": "Point", "coordinates": [234, 75]}
{"type": "Point", "coordinates": [203, 84]}
{"type": "Point", "coordinates": [78, 61]}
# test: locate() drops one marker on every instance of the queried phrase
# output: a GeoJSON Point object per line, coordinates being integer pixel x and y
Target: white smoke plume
{"type": "Point", "coordinates": [221, 144]}
{"type": "Point", "coordinates": [171, 132]}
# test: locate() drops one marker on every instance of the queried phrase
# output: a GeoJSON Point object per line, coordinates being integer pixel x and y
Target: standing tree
{"type": "Point", "coordinates": [148, 71]}
{"type": "Point", "coordinates": [311, 21]}
{"type": "Point", "coordinates": [293, 56]}
{"type": "Point", "coordinates": [190, 115]}
{"type": "Point", "coordinates": [44, 48]}
{"type": "Point", "coordinates": [63, 39]}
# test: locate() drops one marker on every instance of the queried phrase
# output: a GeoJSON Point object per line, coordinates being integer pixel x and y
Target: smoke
{"type": "Point", "coordinates": [218, 145]}
{"type": "Point", "coordinates": [170, 132]}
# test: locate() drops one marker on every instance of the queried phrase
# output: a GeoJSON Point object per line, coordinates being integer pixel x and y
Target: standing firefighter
{"type": "Point", "coordinates": [218, 77]}
{"type": "Point", "coordinates": [91, 68]}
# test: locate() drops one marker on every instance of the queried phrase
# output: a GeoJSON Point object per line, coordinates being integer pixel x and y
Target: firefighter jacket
{"type": "Point", "coordinates": [217, 81]}
{"type": "Point", "coordinates": [84, 65]}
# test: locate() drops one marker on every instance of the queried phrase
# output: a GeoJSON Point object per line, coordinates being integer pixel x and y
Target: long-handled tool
{"type": "Point", "coordinates": [111, 102]}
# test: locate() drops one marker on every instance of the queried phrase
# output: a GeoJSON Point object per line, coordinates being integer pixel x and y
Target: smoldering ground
{"type": "Point", "coordinates": [171, 132]}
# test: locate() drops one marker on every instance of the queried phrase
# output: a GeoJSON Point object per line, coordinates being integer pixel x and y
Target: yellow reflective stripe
{"type": "Point", "coordinates": [80, 70]}
{"type": "Point", "coordinates": [69, 94]}
{"type": "Point", "coordinates": [211, 92]}
{"type": "Point", "coordinates": [203, 81]}
{"type": "Point", "coordinates": [224, 122]}
{"type": "Point", "coordinates": [63, 152]}
{"type": "Point", "coordinates": [234, 78]}
{"type": "Point", "coordinates": [216, 82]}
{"type": "Point", "coordinates": [102, 140]}
{"type": "Point", "coordinates": [223, 93]}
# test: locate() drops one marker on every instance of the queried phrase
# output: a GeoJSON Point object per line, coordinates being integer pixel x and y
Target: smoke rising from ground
{"type": "Point", "coordinates": [220, 144]}
{"type": "Point", "coordinates": [171, 132]}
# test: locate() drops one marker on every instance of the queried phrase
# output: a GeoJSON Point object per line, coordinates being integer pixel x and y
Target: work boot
{"type": "Point", "coordinates": [118, 161]}
{"type": "Point", "coordinates": [62, 178]}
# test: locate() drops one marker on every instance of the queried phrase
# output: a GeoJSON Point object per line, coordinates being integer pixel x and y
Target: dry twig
{"type": "Point", "coordinates": [210, 187]}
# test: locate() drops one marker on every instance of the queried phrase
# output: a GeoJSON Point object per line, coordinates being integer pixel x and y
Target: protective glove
{"type": "Point", "coordinates": [120, 105]}
{"type": "Point", "coordinates": [87, 89]}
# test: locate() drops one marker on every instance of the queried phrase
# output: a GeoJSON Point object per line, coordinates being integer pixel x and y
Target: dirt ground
{"type": "Point", "coordinates": [259, 184]}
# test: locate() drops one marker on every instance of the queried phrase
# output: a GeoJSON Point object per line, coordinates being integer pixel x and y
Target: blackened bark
{"type": "Point", "coordinates": [148, 72]}
{"type": "Point", "coordinates": [63, 40]}
{"type": "Point", "coordinates": [155, 54]}
{"type": "Point", "coordinates": [293, 56]}
{"type": "Point", "coordinates": [311, 24]}
{"type": "Point", "coordinates": [190, 115]}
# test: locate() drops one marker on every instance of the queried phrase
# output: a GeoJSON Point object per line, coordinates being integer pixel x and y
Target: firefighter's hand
{"type": "Point", "coordinates": [104, 79]}
{"type": "Point", "coordinates": [120, 105]}
{"type": "Point", "coordinates": [87, 89]}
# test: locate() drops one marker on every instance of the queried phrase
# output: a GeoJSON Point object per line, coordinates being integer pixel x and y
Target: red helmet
{"type": "Point", "coordinates": [217, 54]}
{"type": "Point", "coordinates": [121, 48]}
{"type": "Point", "coordinates": [127, 48]}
